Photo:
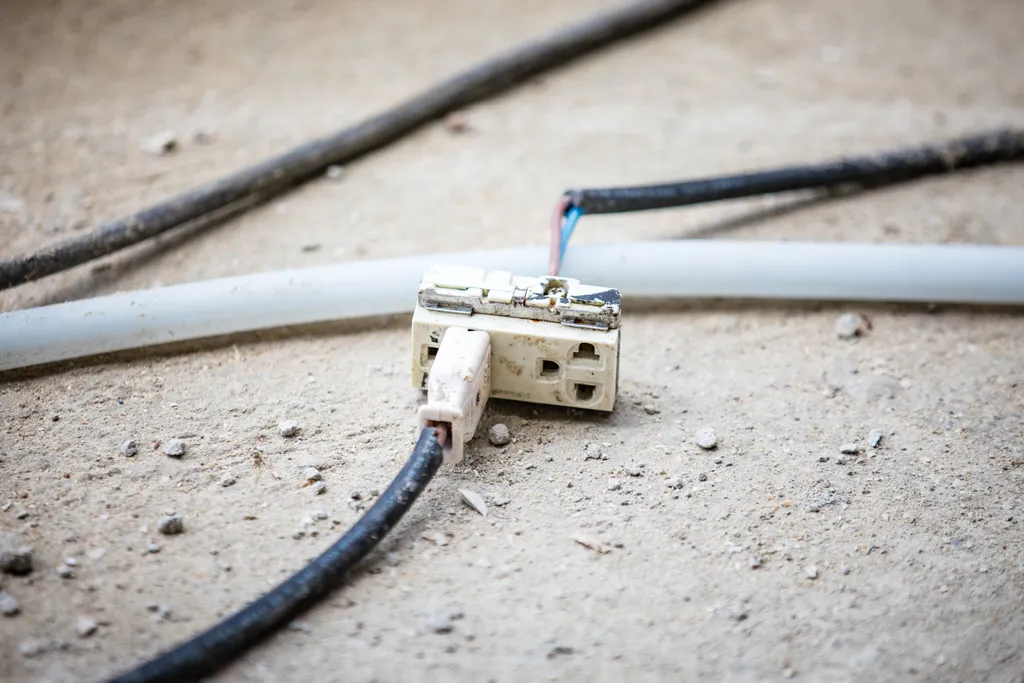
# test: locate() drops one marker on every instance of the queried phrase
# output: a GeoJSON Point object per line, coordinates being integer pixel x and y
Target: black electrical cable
{"type": "Point", "coordinates": [275, 175]}
{"type": "Point", "coordinates": [219, 646]}
{"type": "Point", "coordinates": [881, 169]}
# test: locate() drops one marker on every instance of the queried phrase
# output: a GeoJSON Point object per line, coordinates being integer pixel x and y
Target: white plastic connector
{"type": "Point", "coordinates": [553, 340]}
{"type": "Point", "coordinates": [458, 388]}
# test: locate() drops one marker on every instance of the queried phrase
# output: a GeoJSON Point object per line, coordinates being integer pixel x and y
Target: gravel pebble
{"type": "Point", "coordinates": [499, 435]}
{"type": "Point", "coordinates": [312, 474]}
{"type": "Point", "coordinates": [175, 448]}
{"type": "Point", "coordinates": [33, 647]}
{"type": "Point", "coordinates": [65, 572]}
{"type": "Point", "coordinates": [849, 449]}
{"type": "Point", "coordinates": [440, 624]}
{"type": "Point", "coordinates": [811, 572]}
{"type": "Point", "coordinates": [706, 438]}
{"type": "Point", "coordinates": [9, 605]}
{"type": "Point", "coordinates": [129, 448]}
{"type": "Point", "coordinates": [161, 143]}
{"type": "Point", "coordinates": [632, 470]}
{"type": "Point", "coordinates": [288, 428]}
{"type": "Point", "coordinates": [674, 483]}
{"type": "Point", "coordinates": [319, 488]}
{"type": "Point", "coordinates": [614, 484]}
{"type": "Point", "coordinates": [15, 555]}
{"type": "Point", "coordinates": [170, 525]}
{"type": "Point", "coordinates": [334, 172]}
{"type": "Point", "coordinates": [86, 626]}
{"type": "Point", "coordinates": [228, 480]}
{"type": "Point", "coordinates": [474, 500]}
{"type": "Point", "coordinates": [875, 437]}
{"type": "Point", "coordinates": [593, 451]}
{"type": "Point", "coordinates": [849, 325]}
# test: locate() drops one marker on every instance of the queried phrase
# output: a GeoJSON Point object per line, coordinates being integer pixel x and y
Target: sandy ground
{"type": "Point", "coordinates": [915, 547]}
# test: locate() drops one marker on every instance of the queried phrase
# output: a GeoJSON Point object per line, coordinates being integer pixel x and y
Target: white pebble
{"type": "Point", "coordinates": [811, 572]}
{"type": "Point", "coordinates": [9, 605]}
{"type": "Point", "coordinates": [706, 438]}
{"type": "Point", "coordinates": [162, 143]}
{"type": "Point", "coordinates": [86, 626]}
{"type": "Point", "coordinates": [875, 437]}
{"type": "Point", "coordinates": [129, 448]}
{"type": "Point", "coordinates": [614, 484]}
{"type": "Point", "coordinates": [288, 428]}
{"type": "Point", "coordinates": [228, 480]}
{"type": "Point", "coordinates": [312, 474]}
{"type": "Point", "coordinates": [849, 325]}
{"type": "Point", "coordinates": [319, 488]}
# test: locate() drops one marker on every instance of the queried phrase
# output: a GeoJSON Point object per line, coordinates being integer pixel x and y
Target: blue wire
{"type": "Point", "coordinates": [572, 216]}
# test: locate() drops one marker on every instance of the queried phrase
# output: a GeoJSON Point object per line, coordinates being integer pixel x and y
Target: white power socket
{"type": "Point", "coordinates": [552, 340]}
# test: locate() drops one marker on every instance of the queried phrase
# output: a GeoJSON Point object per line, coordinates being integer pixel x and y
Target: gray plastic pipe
{"type": "Point", "coordinates": [963, 274]}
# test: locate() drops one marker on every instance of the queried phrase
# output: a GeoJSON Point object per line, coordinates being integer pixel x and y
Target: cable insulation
{"type": "Point", "coordinates": [277, 174]}
{"type": "Point", "coordinates": [888, 167]}
{"type": "Point", "coordinates": [226, 641]}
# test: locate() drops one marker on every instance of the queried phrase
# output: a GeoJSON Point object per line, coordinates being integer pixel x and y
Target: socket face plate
{"type": "Point", "coordinates": [557, 354]}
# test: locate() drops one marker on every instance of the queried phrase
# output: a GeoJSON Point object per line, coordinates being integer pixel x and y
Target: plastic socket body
{"type": "Point", "coordinates": [552, 340]}
{"type": "Point", "coordinates": [458, 388]}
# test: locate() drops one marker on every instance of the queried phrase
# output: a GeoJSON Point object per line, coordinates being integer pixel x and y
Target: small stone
{"type": "Point", "coordinates": [311, 474]}
{"type": "Point", "coordinates": [811, 572]}
{"type": "Point", "coordinates": [823, 458]}
{"type": "Point", "coordinates": [559, 650]}
{"type": "Point", "coordinates": [318, 515]}
{"type": "Point", "coordinates": [319, 488]}
{"type": "Point", "coordinates": [614, 484]}
{"type": "Point", "coordinates": [334, 172]}
{"type": "Point", "coordinates": [474, 500]}
{"type": "Point", "coordinates": [755, 562]}
{"type": "Point", "coordinates": [85, 626]}
{"type": "Point", "coordinates": [15, 555]}
{"type": "Point", "coordinates": [849, 325]}
{"type": "Point", "coordinates": [440, 624]}
{"type": "Point", "coordinates": [228, 480]}
{"type": "Point", "coordinates": [288, 428]}
{"type": "Point", "coordinates": [632, 470]}
{"type": "Point", "coordinates": [674, 483]}
{"type": "Point", "coordinates": [170, 525]}
{"type": "Point", "coordinates": [875, 437]}
{"type": "Point", "coordinates": [21, 513]}
{"type": "Point", "coordinates": [151, 549]}
{"type": "Point", "coordinates": [499, 435]}
{"type": "Point", "coordinates": [849, 449]}
{"type": "Point", "coordinates": [9, 605]}
{"type": "Point", "coordinates": [356, 495]}
{"type": "Point", "coordinates": [651, 409]}
{"type": "Point", "coordinates": [456, 122]}
{"type": "Point", "coordinates": [844, 571]}
{"type": "Point", "coordinates": [703, 476]}
{"type": "Point", "coordinates": [789, 673]}
{"type": "Point", "coordinates": [174, 448]}
{"type": "Point", "coordinates": [70, 561]}
{"type": "Point", "coordinates": [160, 144]}
{"type": "Point", "coordinates": [593, 451]}
{"type": "Point", "coordinates": [65, 572]}
{"type": "Point", "coordinates": [33, 647]}
{"type": "Point", "coordinates": [129, 448]}
{"type": "Point", "coordinates": [706, 438]}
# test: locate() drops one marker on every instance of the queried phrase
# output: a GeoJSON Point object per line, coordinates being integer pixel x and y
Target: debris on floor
{"type": "Point", "coordinates": [706, 438]}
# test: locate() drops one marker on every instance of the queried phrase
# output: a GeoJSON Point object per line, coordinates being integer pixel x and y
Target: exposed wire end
{"type": "Point", "coordinates": [555, 234]}
{"type": "Point", "coordinates": [572, 217]}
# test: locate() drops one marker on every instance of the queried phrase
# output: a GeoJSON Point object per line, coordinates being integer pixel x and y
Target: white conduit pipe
{"type": "Point", "coordinates": [965, 274]}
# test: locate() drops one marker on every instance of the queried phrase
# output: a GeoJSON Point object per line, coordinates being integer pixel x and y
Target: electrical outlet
{"type": "Point", "coordinates": [553, 340]}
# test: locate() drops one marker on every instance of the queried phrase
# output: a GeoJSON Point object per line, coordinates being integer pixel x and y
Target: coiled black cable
{"type": "Point", "coordinates": [219, 646]}
{"type": "Point", "coordinates": [881, 169]}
